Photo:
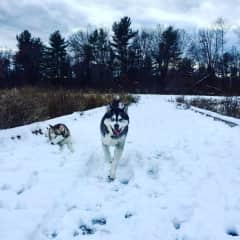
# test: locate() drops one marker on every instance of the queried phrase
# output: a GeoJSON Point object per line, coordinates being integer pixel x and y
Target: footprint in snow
{"type": "Point", "coordinates": [99, 221]}
{"type": "Point", "coordinates": [153, 172]}
{"type": "Point", "coordinates": [71, 207]}
{"type": "Point", "coordinates": [54, 234]}
{"type": "Point", "coordinates": [20, 191]}
{"type": "Point", "coordinates": [5, 187]}
{"type": "Point", "coordinates": [76, 233]}
{"type": "Point", "coordinates": [86, 230]}
{"type": "Point", "coordinates": [232, 232]}
{"type": "Point", "coordinates": [154, 194]}
{"type": "Point", "coordinates": [2, 205]}
{"type": "Point", "coordinates": [176, 224]}
{"type": "Point", "coordinates": [128, 215]}
{"type": "Point", "coordinates": [51, 235]}
{"type": "Point", "coordinates": [158, 155]}
{"type": "Point", "coordinates": [33, 179]}
{"type": "Point", "coordinates": [124, 181]}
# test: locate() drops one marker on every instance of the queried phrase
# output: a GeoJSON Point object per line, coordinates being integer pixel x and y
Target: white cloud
{"type": "Point", "coordinates": [45, 16]}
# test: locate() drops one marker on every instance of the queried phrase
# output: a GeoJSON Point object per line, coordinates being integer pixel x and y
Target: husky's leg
{"type": "Point", "coordinates": [117, 155]}
{"type": "Point", "coordinates": [70, 147]}
{"type": "Point", "coordinates": [61, 147]}
{"type": "Point", "coordinates": [57, 140]}
{"type": "Point", "coordinates": [107, 153]}
{"type": "Point", "coordinates": [69, 144]}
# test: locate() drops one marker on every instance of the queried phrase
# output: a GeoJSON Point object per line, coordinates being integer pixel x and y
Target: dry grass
{"type": "Point", "coordinates": [229, 106]}
{"type": "Point", "coordinates": [27, 105]}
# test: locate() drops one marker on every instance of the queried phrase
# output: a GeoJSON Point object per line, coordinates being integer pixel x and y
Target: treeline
{"type": "Point", "coordinates": [165, 59]}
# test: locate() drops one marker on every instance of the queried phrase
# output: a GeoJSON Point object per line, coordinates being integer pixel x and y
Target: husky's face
{"type": "Point", "coordinates": [55, 131]}
{"type": "Point", "coordinates": [116, 120]}
{"type": "Point", "coordinates": [52, 134]}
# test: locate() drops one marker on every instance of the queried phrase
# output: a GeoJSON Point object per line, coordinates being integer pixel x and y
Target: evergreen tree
{"type": "Point", "coordinates": [28, 58]}
{"type": "Point", "coordinates": [57, 60]}
{"type": "Point", "coordinates": [121, 40]}
{"type": "Point", "coordinates": [99, 43]}
{"type": "Point", "coordinates": [103, 46]}
{"type": "Point", "coordinates": [168, 51]}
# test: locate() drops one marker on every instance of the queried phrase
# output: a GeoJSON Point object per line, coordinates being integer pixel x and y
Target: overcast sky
{"type": "Point", "coordinates": [42, 17]}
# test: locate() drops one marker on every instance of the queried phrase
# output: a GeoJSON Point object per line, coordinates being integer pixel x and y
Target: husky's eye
{"type": "Point", "coordinates": [120, 119]}
{"type": "Point", "coordinates": [113, 118]}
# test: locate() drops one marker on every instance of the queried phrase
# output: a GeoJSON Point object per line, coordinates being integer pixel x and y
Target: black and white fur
{"type": "Point", "coordinates": [114, 129]}
{"type": "Point", "coordinates": [60, 135]}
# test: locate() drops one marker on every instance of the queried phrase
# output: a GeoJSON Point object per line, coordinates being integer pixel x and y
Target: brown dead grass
{"type": "Point", "coordinates": [229, 106]}
{"type": "Point", "coordinates": [27, 105]}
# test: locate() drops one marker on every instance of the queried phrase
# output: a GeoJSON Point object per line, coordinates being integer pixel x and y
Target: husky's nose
{"type": "Point", "coordinates": [116, 126]}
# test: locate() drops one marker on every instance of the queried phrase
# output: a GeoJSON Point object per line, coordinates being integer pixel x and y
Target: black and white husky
{"type": "Point", "coordinates": [114, 129]}
{"type": "Point", "coordinates": [60, 135]}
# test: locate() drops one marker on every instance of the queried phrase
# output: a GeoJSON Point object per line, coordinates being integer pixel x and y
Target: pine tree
{"type": "Point", "coordinates": [56, 58]}
{"type": "Point", "coordinates": [168, 51]}
{"type": "Point", "coordinates": [121, 41]}
{"type": "Point", "coordinates": [28, 58]}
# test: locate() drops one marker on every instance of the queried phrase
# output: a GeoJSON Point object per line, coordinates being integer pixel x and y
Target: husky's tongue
{"type": "Point", "coordinates": [117, 132]}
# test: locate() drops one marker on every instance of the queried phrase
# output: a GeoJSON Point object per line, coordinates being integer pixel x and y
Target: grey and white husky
{"type": "Point", "coordinates": [114, 129]}
{"type": "Point", "coordinates": [60, 135]}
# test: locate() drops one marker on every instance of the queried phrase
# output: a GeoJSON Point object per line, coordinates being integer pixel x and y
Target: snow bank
{"type": "Point", "coordinates": [178, 179]}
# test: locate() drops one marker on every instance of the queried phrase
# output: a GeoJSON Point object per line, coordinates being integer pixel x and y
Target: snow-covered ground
{"type": "Point", "coordinates": [178, 179]}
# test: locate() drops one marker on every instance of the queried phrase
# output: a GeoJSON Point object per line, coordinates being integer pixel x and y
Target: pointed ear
{"type": "Point", "coordinates": [108, 108]}
{"type": "Point", "coordinates": [121, 105]}
{"type": "Point", "coordinates": [125, 108]}
{"type": "Point", "coordinates": [51, 126]}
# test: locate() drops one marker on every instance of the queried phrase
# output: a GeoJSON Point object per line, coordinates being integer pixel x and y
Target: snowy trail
{"type": "Point", "coordinates": [178, 179]}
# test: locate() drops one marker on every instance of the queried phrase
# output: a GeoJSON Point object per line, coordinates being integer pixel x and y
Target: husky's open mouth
{"type": "Point", "coordinates": [116, 132]}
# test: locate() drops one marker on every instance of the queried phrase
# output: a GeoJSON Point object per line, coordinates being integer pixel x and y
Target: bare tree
{"type": "Point", "coordinates": [221, 29]}
{"type": "Point", "coordinates": [76, 44]}
{"type": "Point", "coordinates": [210, 48]}
{"type": "Point", "coordinates": [5, 67]}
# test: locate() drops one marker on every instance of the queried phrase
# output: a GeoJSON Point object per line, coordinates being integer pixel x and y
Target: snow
{"type": "Point", "coordinates": [178, 179]}
{"type": "Point", "coordinates": [233, 120]}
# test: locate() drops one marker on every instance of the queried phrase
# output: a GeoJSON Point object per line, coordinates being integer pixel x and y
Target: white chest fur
{"type": "Point", "coordinates": [109, 141]}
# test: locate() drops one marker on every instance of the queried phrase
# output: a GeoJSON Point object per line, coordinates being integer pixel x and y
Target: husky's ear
{"type": "Point", "coordinates": [108, 108]}
{"type": "Point", "coordinates": [50, 126]}
{"type": "Point", "coordinates": [125, 108]}
{"type": "Point", "coordinates": [121, 105]}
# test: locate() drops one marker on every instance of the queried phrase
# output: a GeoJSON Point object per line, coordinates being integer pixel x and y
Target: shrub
{"type": "Point", "coordinates": [229, 106]}
{"type": "Point", "coordinates": [27, 105]}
